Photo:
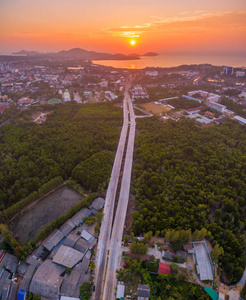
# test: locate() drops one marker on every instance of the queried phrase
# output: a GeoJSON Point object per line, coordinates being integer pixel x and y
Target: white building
{"type": "Point", "coordinates": [243, 95]}
{"type": "Point", "coordinates": [216, 106]}
{"type": "Point", "coordinates": [240, 73]}
{"type": "Point", "coordinates": [110, 95]}
{"type": "Point", "coordinates": [139, 93]}
{"type": "Point", "coordinates": [103, 83]}
{"type": "Point", "coordinates": [152, 73]}
{"type": "Point", "coordinates": [240, 120]}
{"type": "Point", "coordinates": [66, 96]}
{"type": "Point", "coordinates": [209, 96]}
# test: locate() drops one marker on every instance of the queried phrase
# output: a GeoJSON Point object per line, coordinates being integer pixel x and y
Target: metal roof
{"type": "Point", "coordinates": [203, 261]}
{"type": "Point", "coordinates": [10, 262]}
{"type": "Point", "coordinates": [143, 290]}
{"type": "Point", "coordinates": [67, 227]}
{"type": "Point", "coordinates": [22, 267]}
{"type": "Point", "coordinates": [3, 279]}
{"type": "Point", "coordinates": [87, 236]}
{"type": "Point", "coordinates": [13, 291]}
{"type": "Point", "coordinates": [82, 245]}
{"type": "Point", "coordinates": [240, 119]}
{"type": "Point", "coordinates": [83, 266]}
{"type": "Point", "coordinates": [67, 256]}
{"type": "Point", "coordinates": [32, 261]}
{"type": "Point", "coordinates": [69, 284]}
{"type": "Point", "coordinates": [98, 203]}
{"type": "Point", "coordinates": [120, 291]}
{"type": "Point", "coordinates": [47, 280]}
{"type": "Point", "coordinates": [79, 216]}
{"type": "Point", "coordinates": [71, 239]}
{"type": "Point", "coordinates": [6, 289]}
{"type": "Point", "coordinates": [53, 239]}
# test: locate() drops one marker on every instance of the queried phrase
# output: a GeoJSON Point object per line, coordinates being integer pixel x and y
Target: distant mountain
{"type": "Point", "coordinates": [77, 53]}
{"type": "Point", "coordinates": [150, 54]}
{"type": "Point", "coordinates": [27, 53]}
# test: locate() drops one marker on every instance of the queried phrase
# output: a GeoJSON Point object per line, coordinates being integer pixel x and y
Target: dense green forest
{"type": "Point", "coordinates": [183, 103]}
{"type": "Point", "coordinates": [33, 154]}
{"type": "Point", "coordinates": [189, 177]}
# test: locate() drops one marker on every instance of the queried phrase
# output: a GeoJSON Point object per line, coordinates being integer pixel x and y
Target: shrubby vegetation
{"type": "Point", "coordinates": [12, 210]}
{"type": "Point", "coordinates": [11, 245]}
{"type": "Point", "coordinates": [139, 247]}
{"type": "Point", "coordinates": [183, 103]}
{"type": "Point", "coordinates": [237, 108]}
{"type": "Point", "coordinates": [85, 290]}
{"type": "Point", "coordinates": [186, 177]}
{"type": "Point", "coordinates": [161, 286]}
{"type": "Point", "coordinates": [32, 155]}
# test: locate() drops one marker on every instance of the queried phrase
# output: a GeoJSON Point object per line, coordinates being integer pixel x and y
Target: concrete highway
{"type": "Point", "coordinates": [119, 221]}
{"type": "Point", "coordinates": [106, 226]}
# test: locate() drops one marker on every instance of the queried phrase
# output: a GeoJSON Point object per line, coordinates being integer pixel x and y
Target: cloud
{"type": "Point", "coordinates": [200, 21]}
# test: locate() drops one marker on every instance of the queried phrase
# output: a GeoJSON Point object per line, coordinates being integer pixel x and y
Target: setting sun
{"type": "Point", "coordinates": [133, 42]}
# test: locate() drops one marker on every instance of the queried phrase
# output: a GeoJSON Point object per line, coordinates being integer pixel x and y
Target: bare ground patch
{"type": "Point", "coordinates": [27, 225]}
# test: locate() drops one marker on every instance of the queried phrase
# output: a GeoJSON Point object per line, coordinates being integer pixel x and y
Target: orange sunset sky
{"type": "Point", "coordinates": [110, 25]}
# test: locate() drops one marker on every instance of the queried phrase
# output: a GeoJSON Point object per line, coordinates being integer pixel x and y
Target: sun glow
{"type": "Point", "coordinates": [133, 42]}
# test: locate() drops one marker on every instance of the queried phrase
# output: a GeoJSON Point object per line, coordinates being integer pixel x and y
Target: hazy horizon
{"type": "Point", "coordinates": [173, 26]}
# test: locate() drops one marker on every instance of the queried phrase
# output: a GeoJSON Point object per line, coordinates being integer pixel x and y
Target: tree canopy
{"type": "Point", "coordinates": [190, 177]}
{"type": "Point", "coordinates": [32, 154]}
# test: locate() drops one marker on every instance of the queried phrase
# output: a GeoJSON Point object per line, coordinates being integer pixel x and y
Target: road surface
{"type": "Point", "coordinates": [119, 221]}
{"type": "Point", "coordinates": [106, 226]}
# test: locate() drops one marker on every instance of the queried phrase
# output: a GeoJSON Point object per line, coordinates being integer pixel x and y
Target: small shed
{"type": "Point", "coordinates": [143, 292]}
{"type": "Point", "coordinates": [213, 295]}
{"type": "Point", "coordinates": [168, 255]}
{"type": "Point", "coordinates": [188, 247]}
{"type": "Point", "coordinates": [96, 205]}
{"type": "Point", "coordinates": [120, 290]}
{"type": "Point", "coordinates": [164, 268]}
{"type": "Point", "coordinates": [87, 236]}
{"type": "Point", "coordinates": [21, 295]}
{"type": "Point", "coordinates": [181, 254]}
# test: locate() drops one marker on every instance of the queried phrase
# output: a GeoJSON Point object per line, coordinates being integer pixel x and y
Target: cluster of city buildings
{"type": "Point", "coordinates": [138, 92]}
{"type": "Point", "coordinates": [58, 267]}
{"type": "Point", "coordinates": [230, 71]}
{"type": "Point", "coordinates": [25, 84]}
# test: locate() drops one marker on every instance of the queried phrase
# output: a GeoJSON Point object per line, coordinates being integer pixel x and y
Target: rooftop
{"type": "Point", "coordinates": [53, 239]}
{"type": "Point", "coordinates": [98, 203]}
{"type": "Point", "coordinates": [164, 268]}
{"type": "Point", "coordinates": [67, 256]}
{"type": "Point", "coordinates": [47, 280]}
{"type": "Point", "coordinates": [143, 291]}
{"type": "Point", "coordinates": [87, 236]}
{"type": "Point", "coordinates": [79, 216]}
{"type": "Point", "coordinates": [204, 267]}
{"type": "Point", "coordinates": [67, 227]}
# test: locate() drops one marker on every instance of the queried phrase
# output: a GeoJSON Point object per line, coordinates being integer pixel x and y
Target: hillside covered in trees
{"type": "Point", "coordinates": [188, 177]}
{"type": "Point", "coordinates": [31, 154]}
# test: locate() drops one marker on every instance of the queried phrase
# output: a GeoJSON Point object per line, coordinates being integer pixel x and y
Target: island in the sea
{"type": "Point", "coordinates": [78, 53]}
{"type": "Point", "coordinates": [150, 54]}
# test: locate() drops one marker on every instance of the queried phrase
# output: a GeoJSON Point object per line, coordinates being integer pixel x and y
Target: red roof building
{"type": "Point", "coordinates": [164, 268]}
{"type": "Point", "coordinates": [2, 108]}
